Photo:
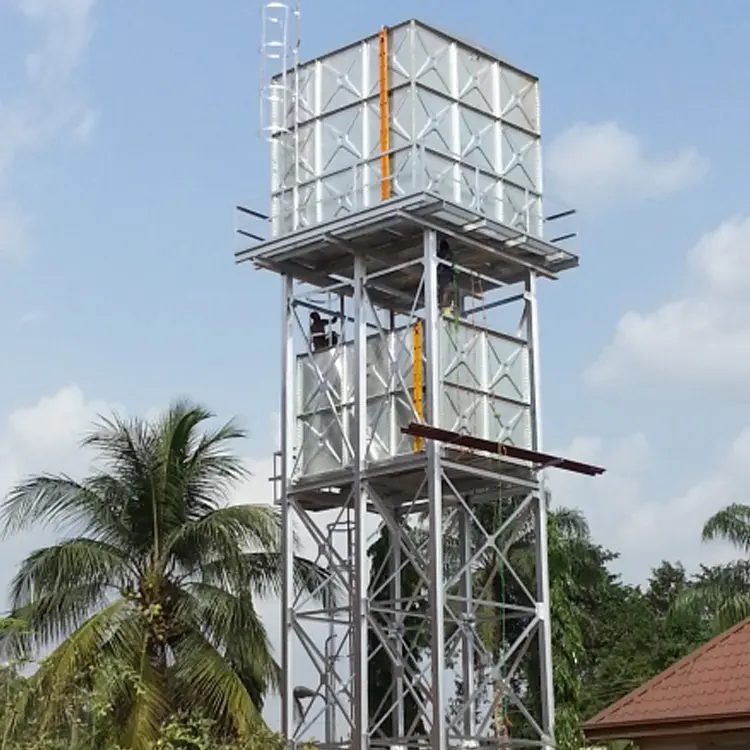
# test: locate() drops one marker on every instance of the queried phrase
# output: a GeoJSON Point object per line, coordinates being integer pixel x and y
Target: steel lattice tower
{"type": "Point", "coordinates": [411, 220]}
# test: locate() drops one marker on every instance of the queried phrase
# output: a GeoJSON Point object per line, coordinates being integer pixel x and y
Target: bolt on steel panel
{"type": "Point", "coordinates": [485, 392]}
{"type": "Point", "coordinates": [463, 125]}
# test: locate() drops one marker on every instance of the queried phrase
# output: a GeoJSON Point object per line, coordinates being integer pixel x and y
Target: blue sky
{"type": "Point", "coordinates": [131, 132]}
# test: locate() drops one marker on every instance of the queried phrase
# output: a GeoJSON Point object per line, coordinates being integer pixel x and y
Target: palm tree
{"type": "Point", "coordinates": [721, 594]}
{"type": "Point", "coordinates": [151, 595]}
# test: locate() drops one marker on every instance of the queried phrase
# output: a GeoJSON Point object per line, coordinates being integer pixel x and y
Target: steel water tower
{"type": "Point", "coordinates": [406, 226]}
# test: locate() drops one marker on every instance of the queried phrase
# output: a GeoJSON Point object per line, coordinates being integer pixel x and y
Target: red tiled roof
{"type": "Point", "coordinates": [711, 684]}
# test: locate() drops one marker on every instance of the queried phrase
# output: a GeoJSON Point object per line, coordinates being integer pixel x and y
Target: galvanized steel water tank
{"type": "Point", "coordinates": [462, 125]}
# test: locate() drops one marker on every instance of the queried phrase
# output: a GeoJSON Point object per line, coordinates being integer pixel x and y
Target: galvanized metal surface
{"type": "Point", "coordinates": [464, 126]}
{"type": "Point", "coordinates": [484, 391]}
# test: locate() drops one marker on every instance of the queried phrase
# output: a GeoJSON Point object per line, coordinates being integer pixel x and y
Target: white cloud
{"type": "Point", "coordinates": [598, 164]}
{"type": "Point", "coordinates": [646, 525]}
{"type": "Point", "coordinates": [48, 105]}
{"type": "Point", "coordinates": [40, 438]}
{"type": "Point", "coordinates": [698, 336]}
{"type": "Point", "coordinates": [609, 500]}
{"type": "Point", "coordinates": [55, 422]}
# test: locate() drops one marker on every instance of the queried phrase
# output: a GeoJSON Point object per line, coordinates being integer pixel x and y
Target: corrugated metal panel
{"type": "Point", "coordinates": [485, 392]}
{"type": "Point", "coordinates": [464, 126]}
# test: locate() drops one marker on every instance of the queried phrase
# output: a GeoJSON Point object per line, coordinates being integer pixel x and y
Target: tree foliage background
{"type": "Point", "coordinates": [609, 636]}
{"type": "Point", "coordinates": [146, 610]}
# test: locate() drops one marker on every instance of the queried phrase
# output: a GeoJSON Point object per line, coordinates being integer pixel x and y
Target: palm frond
{"type": "Point", "coordinates": [83, 648]}
{"type": "Point", "coordinates": [58, 588]}
{"type": "Point", "coordinates": [149, 705]}
{"type": "Point", "coordinates": [74, 562]}
{"type": "Point", "coordinates": [132, 451]}
{"type": "Point", "coordinates": [52, 501]}
{"type": "Point", "coordinates": [198, 467]}
{"type": "Point", "coordinates": [720, 606]}
{"type": "Point", "coordinates": [208, 684]}
{"type": "Point", "coordinates": [23, 706]}
{"type": "Point", "coordinates": [222, 534]}
{"type": "Point", "coordinates": [571, 522]}
{"type": "Point", "coordinates": [178, 439]}
{"type": "Point", "coordinates": [123, 696]}
{"type": "Point", "coordinates": [261, 573]}
{"type": "Point", "coordinates": [731, 524]}
{"type": "Point", "coordinates": [719, 595]}
{"type": "Point", "coordinates": [232, 625]}
{"type": "Point", "coordinates": [213, 469]}
{"type": "Point", "coordinates": [126, 445]}
{"type": "Point", "coordinates": [52, 617]}
{"type": "Point", "coordinates": [117, 518]}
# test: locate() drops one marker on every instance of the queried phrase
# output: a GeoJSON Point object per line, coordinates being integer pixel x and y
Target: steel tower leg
{"type": "Point", "coordinates": [540, 522]}
{"type": "Point", "coordinates": [399, 726]}
{"type": "Point", "coordinates": [468, 619]}
{"type": "Point", "coordinates": [434, 486]}
{"type": "Point", "coordinates": [287, 515]}
{"type": "Point", "coordinates": [360, 740]}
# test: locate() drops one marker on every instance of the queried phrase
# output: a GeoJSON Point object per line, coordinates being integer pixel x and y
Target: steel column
{"type": "Point", "coordinates": [399, 728]}
{"type": "Point", "coordinates": [330, 657]}
{"type": "Point", "coordinates": [468, 651]}
{"type": "Point", "coordinates": [540, 521]}
{"type": "Point", "coordinates": [434, 486]}
{"type": "Point", "coordinates": [287, 514]}
{"type": "Point", "coordinates": [360, 740]}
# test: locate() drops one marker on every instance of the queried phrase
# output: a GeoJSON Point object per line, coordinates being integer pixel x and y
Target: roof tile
{"type": "Point", "coordinates": [712, 682]}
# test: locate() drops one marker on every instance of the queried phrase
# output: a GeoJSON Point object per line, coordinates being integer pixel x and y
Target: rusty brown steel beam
{"type": "Point", "coordinates": [545, 460]}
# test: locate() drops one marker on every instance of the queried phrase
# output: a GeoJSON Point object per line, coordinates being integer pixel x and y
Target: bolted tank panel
{"type": "Point", "coordinates": [462, 125]}
{"type": "Point", "coordinates": [484, 392]}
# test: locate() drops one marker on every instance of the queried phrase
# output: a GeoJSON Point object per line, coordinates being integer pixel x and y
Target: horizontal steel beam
{"type": "Point", "coordinates": [545, 460]}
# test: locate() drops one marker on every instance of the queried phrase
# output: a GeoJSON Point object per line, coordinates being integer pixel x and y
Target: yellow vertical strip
{"type": "Point", "coordinates": [385, 140]}
{"type": "Point", "coordinates": [418, 380]}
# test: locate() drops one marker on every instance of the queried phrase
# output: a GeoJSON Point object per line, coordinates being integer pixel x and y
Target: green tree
{"type": "Point", "coordinates": [149, 601]}
{"type": "Point", "coordinates": [639, 636]}
{"type": "Point", "coordinates": [10, 686]}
